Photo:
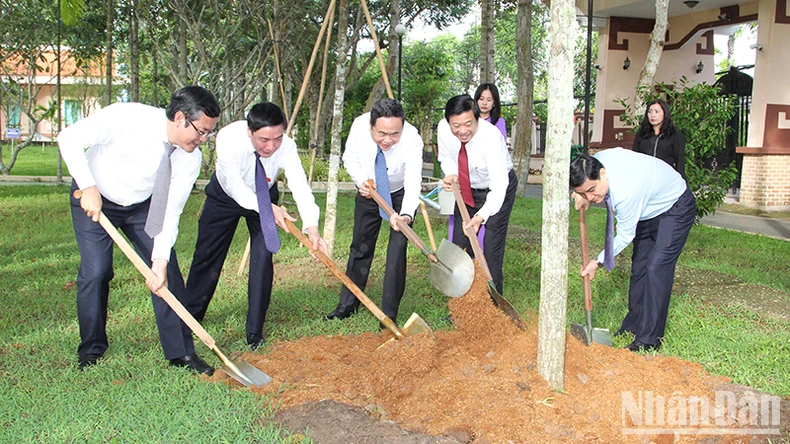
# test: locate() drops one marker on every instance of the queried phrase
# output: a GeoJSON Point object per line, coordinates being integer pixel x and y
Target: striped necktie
{"type": "Point", "coordinates": [270, 236]}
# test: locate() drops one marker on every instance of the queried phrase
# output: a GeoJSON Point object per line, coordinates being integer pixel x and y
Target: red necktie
{"type": "Point", "coordinates": [463, 176]}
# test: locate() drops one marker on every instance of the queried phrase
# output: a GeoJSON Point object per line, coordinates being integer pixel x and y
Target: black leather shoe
{"type": "Point", "coordinates": [255, 341]}
{"type": "Point", "coordinates": [88, 361]}
{"type": "Point", "coordinates": [194, 363]}
{"type": "Point", "coordinates": [638, 346]}
{"type": "Point", "coordinates": [341, 312]}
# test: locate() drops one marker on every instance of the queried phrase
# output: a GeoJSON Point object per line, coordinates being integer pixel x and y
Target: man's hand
{"type": "Point", "coordinates": [365, 188]}
{"type": "Point", "coordinates": [91, 202]}
{"type": "Point", "coordinates": [447, 182]}
{"type": "Point", "coordinates": [590, 269]}
{"type": "Point", "coordinates": [318, 242]}
{"type": "Point", "coordinates": [580, 201]}
{"type": "Point", "coordinates": [474, 223]}
{"type": "Point", "coordinates": [395, 218]}
{"type": "Point", "coordinates": [159, 267]}
{"type": "Point", "coordinates": [280, 214]}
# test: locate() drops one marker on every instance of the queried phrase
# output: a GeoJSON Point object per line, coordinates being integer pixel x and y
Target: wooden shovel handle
{"type": "Point", "coordinates": [459, 200]}
{"type": "Point", "coordinates": [404, 227]}
{"type": "Point", "coordinates": [585, 258]}
{"type": "Point", "coordinates": [386, 321]}
{"type": "Point", "coordinates": [146, 271]}
{"type": "Point", "coordinates": [424, 209]}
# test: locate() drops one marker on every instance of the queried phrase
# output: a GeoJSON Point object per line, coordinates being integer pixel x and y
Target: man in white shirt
{"type": "Point", "coordinates": [384, 128]}
{"type": "Point", "coordinates": [231, 194]}
{"type": "Point", "coordinates": [655, 209]}
{"type": "Point", "coordinates": [126, 144]}
{"type": "Point", "coordinates": [489, 175]}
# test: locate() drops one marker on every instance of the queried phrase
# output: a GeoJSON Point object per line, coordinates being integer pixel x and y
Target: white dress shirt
{"type": "Point", "coordinates": [641, 187]}
{"type": "Point", "coordinates": [489, 162]}
{"type": "Point", "coordinates": [404, 161]}
{"type": "Point", "coordinates": [236, 171]}
{"type": "Point", "coordinates": [125, 145]}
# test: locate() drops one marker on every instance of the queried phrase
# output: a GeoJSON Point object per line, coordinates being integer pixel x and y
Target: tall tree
{"type": "Point", "coordinates": [107, 97]}
{"type": "Point", "coordinates": [522, 137]}
{"type": "Point", "coordinates": [330, 221]}
{"type": "Point", "coordinates": [487, 53]}
{"type": "Point", "coordinates": [657, 39]}
{"type": "Point", "coordinates": [554, 241]}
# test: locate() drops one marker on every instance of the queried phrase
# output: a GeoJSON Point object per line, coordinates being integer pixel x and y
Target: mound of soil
{"type": "Point", "coordinates": [480, 383]}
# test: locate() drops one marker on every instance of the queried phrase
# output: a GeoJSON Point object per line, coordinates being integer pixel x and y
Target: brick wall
{"type": "Point", "coordinates": [765, 181]}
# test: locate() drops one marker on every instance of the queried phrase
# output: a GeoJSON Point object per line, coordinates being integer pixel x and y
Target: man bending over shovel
{"type": "Point", "coordinates": [655, 209]}
{"type": "Point", "coordinates": [250, 155]}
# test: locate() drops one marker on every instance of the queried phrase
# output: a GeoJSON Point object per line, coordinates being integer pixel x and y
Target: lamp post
{"type": "Point", "coordinates": [400, 30]}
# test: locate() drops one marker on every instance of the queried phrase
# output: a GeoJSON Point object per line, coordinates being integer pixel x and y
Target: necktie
{"type": "Point", "coordinates": [382, 181]}
{"type": "Point", "coordinates": [158, 206]}
{"type": "Point", "coordinates": [608, 251]}
{"type": "Point", "coordinates": [268, 226]}
{"type": "Point", "coordinates": [463, 176]}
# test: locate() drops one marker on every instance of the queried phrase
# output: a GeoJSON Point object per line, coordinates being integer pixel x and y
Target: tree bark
{"type": "Point", "coordinates": [657, 38]}
{"type": "Point", "coordinates": [487, 16]}
{"type": "Point", "coordinates": [134, 53]}
{"type": "Point", "coordinates": [107, 97]}
{"type": "Point", "coordinates": [330, 221]}
{"type": "Point", "coordinates": [522, 134]}
{"type": "Point", "coordinates": [554, 242]}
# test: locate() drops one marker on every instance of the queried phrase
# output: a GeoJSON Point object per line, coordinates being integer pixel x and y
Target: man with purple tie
{"type": "Point", "coordinates": [656, 210]}
{"type": "Point", "coordinates": [250, 155]}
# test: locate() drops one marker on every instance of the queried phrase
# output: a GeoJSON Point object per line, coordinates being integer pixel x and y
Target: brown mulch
{"type": "Point", "coordinates": [481, 379]}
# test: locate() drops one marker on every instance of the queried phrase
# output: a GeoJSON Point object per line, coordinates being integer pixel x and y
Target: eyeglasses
{"type": "Point", "coordinates": [205, 134]}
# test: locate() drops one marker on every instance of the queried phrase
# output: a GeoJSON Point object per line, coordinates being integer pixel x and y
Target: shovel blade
{"type": "Point", "coordinates": [454, 273]}
{"type": "Point", "coordinates": [246, 373]}
{"type": "Point", "coordinates": [416, 325]}
{"type": "Point", "coordinates": [597, 335]}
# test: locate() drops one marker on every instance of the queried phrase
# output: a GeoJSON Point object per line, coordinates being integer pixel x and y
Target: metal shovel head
{"type": "Point", "coordinates": [416, 325]}
{"type": "Point", "coordinates": [454, 273]}
{"type": "Point", "coordinates": [246, 373]}
{"type": "Point", "coordinates": [597, 335]}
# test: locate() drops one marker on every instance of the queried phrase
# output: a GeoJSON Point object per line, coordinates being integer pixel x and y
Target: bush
{"type": "Point", "coordinates": [321, 169]}
{"type": "Point", "coordinates": [700, 112]}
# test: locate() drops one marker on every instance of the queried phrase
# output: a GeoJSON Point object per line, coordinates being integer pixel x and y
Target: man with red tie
{"type": "Point", "coordinates": [474, 155]}
{"type": "Point", "coordinates": [250, 155]}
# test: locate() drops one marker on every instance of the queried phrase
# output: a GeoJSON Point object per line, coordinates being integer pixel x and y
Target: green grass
{"type": "Point", "coordinates": [133, 396]}
{"type": "Point", "coordinates": [34, 160]}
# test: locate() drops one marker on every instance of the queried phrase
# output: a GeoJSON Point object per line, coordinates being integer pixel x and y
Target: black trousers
{"type": "Point", "coordinates": [216, 228]}
{"type": "Point", "coordinates": [657, 246]}
{"type": "Point", "coordinates": [367, 224]}
{"type": "Point", "coordinates": [496, 229]}
{"type": "Point", "coordinates": [96, 272]}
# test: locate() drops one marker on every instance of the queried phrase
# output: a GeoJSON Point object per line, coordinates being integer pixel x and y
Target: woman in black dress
{"type": "Point", "coordinates": [658, 137]}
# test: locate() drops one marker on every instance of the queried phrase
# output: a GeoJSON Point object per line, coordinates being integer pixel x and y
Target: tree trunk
{"type": "Point", "coordinates": [731, 50]}
{"type": "Point", "coordinates": [134, 53]}
{"type": "Point", "coordinates": [657, 38]}
{"type": "Point", "coordinates": [330, 221]}
{"type": "Point", "coordinates": [107, 98]}
{"type": "Point", "coordinates": [183, 51]}
{"type": "Point", "coordinates": [522, 134]}
{"type": "Point", "coordinates": [554, 242]}
{"type": "Point", "coordinates": [487, 15]}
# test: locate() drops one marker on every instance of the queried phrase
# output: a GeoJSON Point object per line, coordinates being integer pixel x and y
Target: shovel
{"type": "Point", "coordinates": [237, 368]}
{"type": "Point", "coordinates": [587, 333]}
{"type": "Point", "coordinates": [501, 303]}
{"type": "Point", "coordinates": [414, 325]}
{"type": "Point", "coordinates": [452, 270]}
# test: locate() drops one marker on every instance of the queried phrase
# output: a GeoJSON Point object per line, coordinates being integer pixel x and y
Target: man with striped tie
{"type": "Point", "coordinates": [250, 155]}
{"type": "Point", "coordinates": [139, 168]}
{"type": "Point", "coordinates": [382, 147]}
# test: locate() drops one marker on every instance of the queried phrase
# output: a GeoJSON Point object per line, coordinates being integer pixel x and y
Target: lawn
{"type": "Point", "coordinates": [133, 396]}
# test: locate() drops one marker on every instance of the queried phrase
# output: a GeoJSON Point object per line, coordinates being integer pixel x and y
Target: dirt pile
{"type": "Point", "coordinates": [481, 380]}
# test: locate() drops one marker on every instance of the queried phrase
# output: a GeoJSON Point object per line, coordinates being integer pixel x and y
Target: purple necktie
{"type": "Point", "coordinates": [608, 250]}
{"type": "Point", "coordinates": [382, 181]}
{"type": "Point", "coordinates": [268, 226]}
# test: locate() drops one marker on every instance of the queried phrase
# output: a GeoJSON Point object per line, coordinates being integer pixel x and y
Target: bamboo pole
{"type": "Point", "coordinates": [378, 49]}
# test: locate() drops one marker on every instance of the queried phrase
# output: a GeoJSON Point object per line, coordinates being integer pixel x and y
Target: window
{"type": "Point", "coordinates": [72, 111]}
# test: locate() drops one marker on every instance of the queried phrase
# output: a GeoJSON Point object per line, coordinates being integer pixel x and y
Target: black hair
{"type": "Point", "coordinates": [192, 100]}
{"type": "Point", "coordinates": [496, 110]}
{"type": "Point", "coordinates": [667, 127]}
{"type": "Point", "coordinates": [386, 108]}
{"type": "Point", "coordinates": [459, 105]}
{"type": "Point", "coordinates": [584, 167]}
{"type": "Point", "coordinates": [265, 114]}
